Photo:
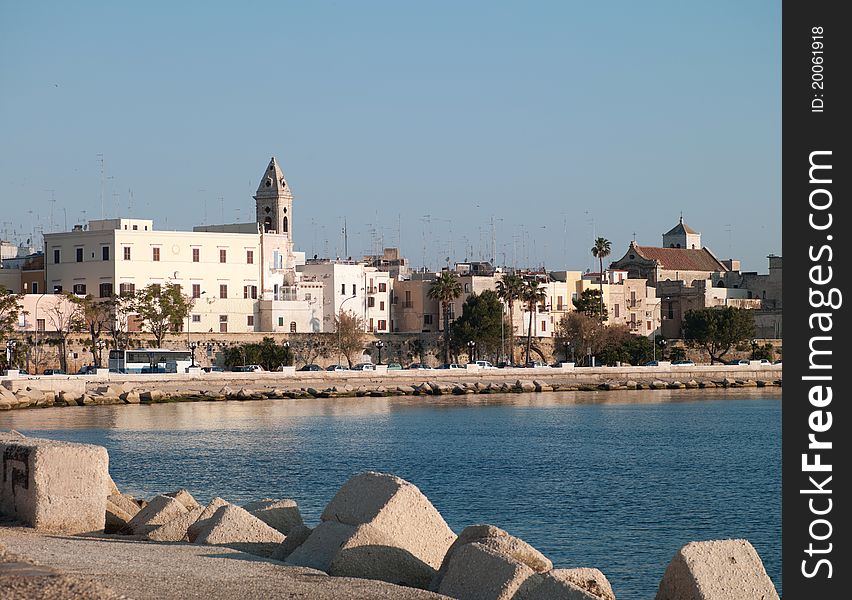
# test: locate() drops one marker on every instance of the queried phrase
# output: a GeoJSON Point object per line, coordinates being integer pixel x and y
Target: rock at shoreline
{"type": "Point", "coordinates": [499, 541]}
{"type": "Point", "coordinates": [131, 397]}
{"type": "Point", "coordinates": [116, 519]}
{"type": "Point", "coordinates": [235, 527]}
{"type": "Point", "coordinates": [378, 526]}
{"type": "Point", "coordinates": [566, 584]}
{"type": "Point", "coordinates": [716, 570]}
{"type": "Point", "coordinates": [125, 503]}
{"type": "Point", "coordinates": [476, 572]}
{"type": "Point", "coordinates": [160, 510]}
{"type": "Point", "coordinates": [152, 396]}
{"type": "Point", "coordinates": [205, 516]}
{"type": "Point", "coordinates": [282, 515]}
{"type": "Point", "coordinates": [185, 498]}
{"type": "Point", "coordinates": [176, 529]}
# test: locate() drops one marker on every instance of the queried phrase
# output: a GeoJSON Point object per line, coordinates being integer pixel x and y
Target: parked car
{"type": "Point", "coordinates": [394, 367]}
{"type": "Point", "coordinates": [450, 366]}
{"type": "Point", "coordinates": [213, 369]}
{"type": "Point", "coordinates": [87, 370]}
{"type": "Point", "coordinates": [336, 368]}
{"type": "Point", "coordinates": [420, 366]}
{"type": "Point", "coordinates": [508, 365]}
{"type": "Point", "coordinates": [247, 369]}
{"type": "Point", "coordinates": [765, 361]}
{"type": "Point", "coordinates": [23, 372]}
{"type": "Point", "coordinates": [652, 363]}
{"type": "Point", "coordinates": [535, 364]}
{"type": "Point", "coordinates": [54, 372]}
{"type": "Point", "coordinates": [738, 361]}
{"type": "Point", "coordinates": [683, 363]}
{"type": "Point", "coordinates": [484, 364]}
{"type": "Point", "coordinates": [365, 366]}
{"type": "Point", "coordinates": [310, 367]}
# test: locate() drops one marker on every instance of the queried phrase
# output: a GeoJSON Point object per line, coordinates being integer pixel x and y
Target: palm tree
{"type": "Point", "coordinates": [445, 289]}
{"type": "Point", "coordinates": [533, 295]}
{"type": "Point", "coordinates": [601, 249]}
{"type": "Point", "coordinates": [508, 290]}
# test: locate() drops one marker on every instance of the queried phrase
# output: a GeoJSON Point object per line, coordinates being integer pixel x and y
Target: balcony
{"type": "Point", "coordinates": [372, 290]}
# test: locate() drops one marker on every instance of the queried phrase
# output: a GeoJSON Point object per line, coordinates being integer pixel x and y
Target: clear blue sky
{"type": "Point", "coordinates": [559, 120]}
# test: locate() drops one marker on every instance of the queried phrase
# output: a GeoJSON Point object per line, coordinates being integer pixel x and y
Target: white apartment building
{"type": "Point", "coordinates": [242, 277]}
{"type": "Point", "coordinates": [353, 287]}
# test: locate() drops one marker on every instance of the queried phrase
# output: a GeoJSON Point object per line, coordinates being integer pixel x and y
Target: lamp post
{"type": "Point", "coordinates": [663, 343]}
{"type": "Point", "coordinates": [100, 345]}
{"type": "Point", "coordinates": [471, 345]}
{"type": "Point", "coordinates": [10, 351]}
{"type": "Point", "coordinates": [286, 346]}
{"type": "Point", "coordinates": [192, 346]}
{"type": "Point", "coordinates": [379, 344]}
{"type": "Point", "coordinates": [753, 348]}
{"type": "Point", "coordinates": [566, 345]}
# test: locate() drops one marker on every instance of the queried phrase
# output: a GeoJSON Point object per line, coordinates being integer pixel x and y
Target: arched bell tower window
{"type": "Point", "coordinates": [267, 224]}
{"type": "Point", "coordinates": [284, 228]}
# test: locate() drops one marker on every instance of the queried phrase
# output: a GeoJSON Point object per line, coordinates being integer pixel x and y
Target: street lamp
{"type": "Point", "coordinates": [10, 350]}
{"type": "Point", "coordinates": [379, 344]}
{"type": "Point", "coordinates": [192, 346]}
{"type": "Point", "coordinates": [470, 347]}
{"type": "Point", "coordinates": [100, 344]}
{"type": "Point", "coordinates": [663, 343]}
{"type": "Point", "coordinates": [286, 346]}
{"type": "Point", "coordinates": [566, 345]}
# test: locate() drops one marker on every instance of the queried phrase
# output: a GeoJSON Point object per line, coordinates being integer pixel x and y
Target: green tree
{"type": "Point", "coordinates": [10, 311]}
{"type": "Point", "coordinates": [533, 295]}
{"type": "Point", "coordinates": [601, 249]}
{"type": "Point", "coordinates": [479, 322]}
{"type": "Point", "coordinates": [509, 290]}
{"type": "Point", "coordinates": [268, 354]}
{"type": "Point", "coordinates": [589, 303]}
{"type": "Point", "coordinates": [445, 289]}
{"type": "Point", "coordinates": [163, 309]}
{"type": "Point", "coordinates": [717, 330]}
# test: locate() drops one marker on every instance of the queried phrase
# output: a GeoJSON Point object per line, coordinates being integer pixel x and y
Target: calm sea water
{"type": "Point", "coordinates": [614, 480]}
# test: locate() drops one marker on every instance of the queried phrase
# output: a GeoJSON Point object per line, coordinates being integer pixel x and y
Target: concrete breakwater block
{"type": "Point", "coordinates": [176, 530]}
{"type": "Point", "coordinates": [51, 485]}
{"type": "Point", "coordinates": [716, 570]}
{"type": "Point", "coordinates": [378, 526]}
{"type": "Point", "coordinates": [159, 511]}
{"type": "Point", "coordinates": [567, 584]}
{"type": "Point", "coordinates": [282, 515]}
{"type": "Point", "coordinates": [205, 516]}
{"type": "Point", "coordinates": [235, 527]}
{"type": "Point", "coordinates": [480, 573]}
{"type": "Point", "coordinates": [498, 540]}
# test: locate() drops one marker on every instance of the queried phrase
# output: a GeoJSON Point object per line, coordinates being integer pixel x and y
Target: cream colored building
{"type": "Point", "coordinates": [242, 277]}
{"type": "Point", "coordinates": [352, 287]}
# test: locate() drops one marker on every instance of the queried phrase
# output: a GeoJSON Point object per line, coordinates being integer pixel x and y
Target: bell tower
{"type": "Point", "coordinates": [274, 201]}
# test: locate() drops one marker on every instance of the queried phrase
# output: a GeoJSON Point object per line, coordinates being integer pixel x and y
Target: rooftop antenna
{"type": "Point", "coordinates": [115, 198]}
{"type": "Point", "coordinates": [103, 181]}
{"type": "Point", "coordinates": [52, 203]}
{"type": "Point", "coordinates": [129, 202]}
{"type": "Point", "coordinates": [345, 238]}
{"type": "Point", "coordinates": [493, 243]}
{"type": "Point", "coordinates": [222, 208]}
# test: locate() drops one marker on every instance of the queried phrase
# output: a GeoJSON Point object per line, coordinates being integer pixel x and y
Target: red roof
{"type": "Point", "coordinates": [681, 259]}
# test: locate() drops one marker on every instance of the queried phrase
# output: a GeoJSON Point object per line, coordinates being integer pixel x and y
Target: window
{"type": "Point", "coordinates": [223, 290]}
{"type": "Point", "coordinates": [79, 252]}
{"type": "Point", "coordinates": [223, 255]}
{"type": "Point", "coordinates": [223, 323]}
{"type": "Point", "coordinates": [383, 325]}
{"type": "Point", "coordinates": [383, 287]}
{"type": "Point", "coordinates": [370, 326]}
{"type": "Point", "coordinates": [196, 255]}
{"type": "Point", "coordinates": [127, 289]}
{"type": "Point", "coordinates": [56, 256]}
{"type": "Point", "coordinates": [196, 290]}
{"type": "Point", "coordinates": [342, 289]}
{"type": "Point", "coordinates": [281, 321]}
{"type": "Point", "coordinates": [196, 318]}
{"type": "Point", "coordinates": [544, 325]}
{"type": "Point", "coordinates": [284, 225]}
{"type": "Point", "coordinates": [427, 319]}
{"type": "Point", "coordinates": [354, 290]}
{"type": "Point", "coordinates": [126, 253]}
{"type": "Point", "coordinates": [292, 326]}
{"type": "Point", "coordinates": [57, 288]}
{"type": "Point", "coordinates": [105, 290]}
{"type": "Point", "coordinates": [156, 254]}
{"type": "Point", "coordinates": [250, 291]}
{"type": "Point", "coordinates": [616, 310]}
{"type": "Point", "coordinates": [104, 252]}
{"type": "Point", "coordinates": [632, 298]}
{"type": "Point", "coordinates": [307, 297]}
{"type": "Point", "coordinates": [40, 324]}
{"type": "Point", "coordinates": [35, 287]}
{"type": "Point", "coordinates": [79, 289]}
{"type": "Point", "coordinates": [382, 305]}
{"type": "Point", "coordinates": [135, 227]}
{"type": "Point", "coordinates": [648, 323]}
{"type": "Point", "coordinates": [249, 257]}
{"type": "Point", "coordinates": [371, 301]}
{"type": "Point", "coordinates": [559, 303]}
{"type": "Point", "coordinates": [250, 320]}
